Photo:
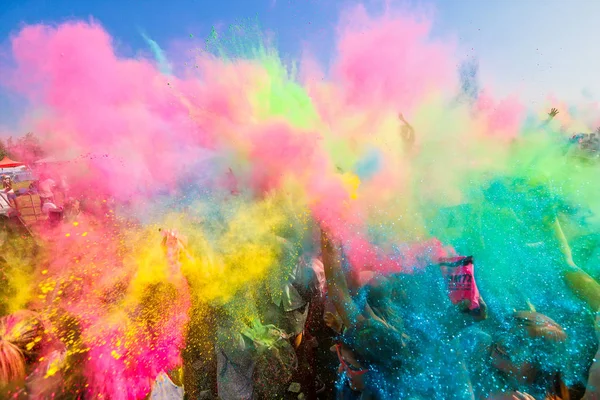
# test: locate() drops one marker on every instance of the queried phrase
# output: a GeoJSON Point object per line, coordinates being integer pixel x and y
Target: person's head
{"type": "Point", "coordinates": [12, 365]}
{"type": "Point", "coordinates": [586, 147]}
{"type": "Point", "coordinates": [19, 345]}
{"type": "Point", "coordinates": [72, 203]}
{"type": "Point", "coordinates": [368, 351]}
{"type": "Point", "coordinates": [379, 293]}
{"type": "Point", "coordinates": [169, 238]}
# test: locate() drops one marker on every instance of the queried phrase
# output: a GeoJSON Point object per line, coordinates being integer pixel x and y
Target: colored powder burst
{"type": "Point", "coordinates": [17, 283]}
{"type": "Point", "coordinates": [244, 153]}
{"type": "Point", "coordinates": [162, 60]}
{"type": "Point", "coordinates": [369, 165]}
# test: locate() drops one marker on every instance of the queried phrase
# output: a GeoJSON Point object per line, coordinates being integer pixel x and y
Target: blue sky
{"type": "Point", "coordinates": [528, 47]}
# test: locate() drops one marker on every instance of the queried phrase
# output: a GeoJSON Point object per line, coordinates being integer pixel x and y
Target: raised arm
{"type": "Point", "coordinates": [563, 243]}
{"type": "Point", "coordinates": [337, 288]}
{"type": "Point", "coordinates": [553, 112]}
{"type": "Point", "coordinates": [407, 133]}
{"type": "Point", "coordinates": [581, 283]}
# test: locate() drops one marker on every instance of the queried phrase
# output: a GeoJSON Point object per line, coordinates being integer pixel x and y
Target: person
{"type": "Point", "coordinates": [592, 391]}
{"type": "Point", "coordinates": [10, 193]}
{"type": "Point", "coordinates": [289, 302]}
{"type": "Point", "coordinates": [551, 115]}
{"type": "Point", "coordinates": [526, 209]}
{"type": "Point", "coordinates": [522, 361]}
{"type": "Point", "coordinates": [161, 305]}
{"type": "Point", "coordinates": [427, 304]}
{"type": "Point", "coordinates": [236, 363]}
{"type": "Point", "coordinates": [585, 147]}
{"type": "Point", "coordinates": [407, 133]}
{"type": "Point", "coordinates": [45, 191]}
{"type": "Point", "coordinates": [198, 355]}
{"type": "Point", "coordinates": [17, 356]}
{"type": "Point", "coordinates": [59, 374]}
{"type": "Point", "coordinates": [370, 351]}
{"type": "Point", "coordinates": [72, 209]}
{"type": "Point", "coordinates": [39, 359]}
{"type": "Point", "coordinates": [174, 245]}
{"type": "Point", "coordinates": [288, 305]}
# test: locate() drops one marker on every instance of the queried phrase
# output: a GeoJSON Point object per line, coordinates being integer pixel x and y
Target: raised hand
{"type": "Point", "coordinates": [553, 112]}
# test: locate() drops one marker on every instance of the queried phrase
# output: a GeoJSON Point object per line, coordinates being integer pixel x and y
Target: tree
{"type": "Point", "coordinates": [3, 149]}
{"type": "Point", "coordinates": [30, 147]}
{"type": "Point", "coordinates": [26, 149]}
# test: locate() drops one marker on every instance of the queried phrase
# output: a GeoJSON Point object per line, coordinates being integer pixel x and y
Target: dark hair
{"type": "Point", "coordinates": [375, 345]}
{"type": "Point", "coordinates": [378, 297]}
{"type": "Point", "coordinates": [558, 388]}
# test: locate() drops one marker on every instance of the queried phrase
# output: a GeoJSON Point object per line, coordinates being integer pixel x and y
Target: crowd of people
{"type": "Point", "coordinates": [321, 327]}
{"type": "Point", "coordinates": [219, 221]}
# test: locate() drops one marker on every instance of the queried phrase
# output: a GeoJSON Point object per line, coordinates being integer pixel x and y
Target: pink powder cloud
{"type": "Point", "coordinates": [391, 60]}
